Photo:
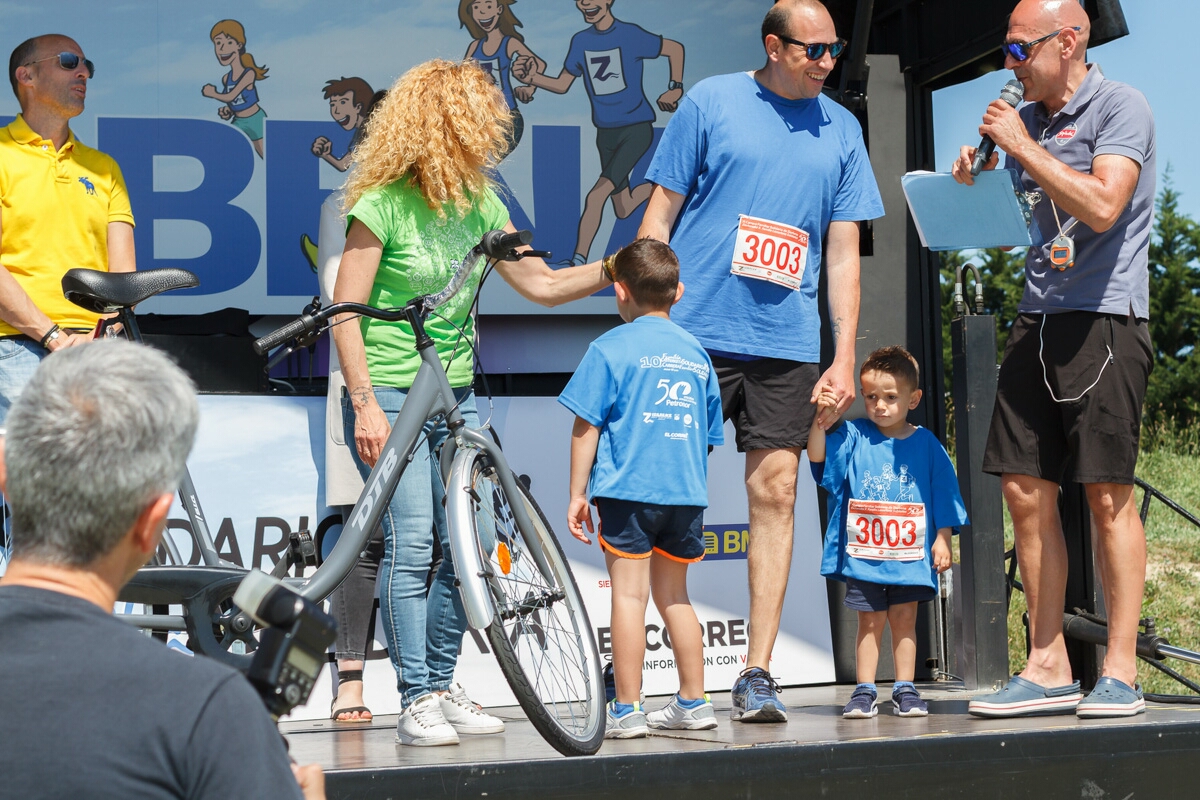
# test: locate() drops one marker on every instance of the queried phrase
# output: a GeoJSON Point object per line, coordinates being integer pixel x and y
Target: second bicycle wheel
{"type": "Point", "coordinates": [541, 633]}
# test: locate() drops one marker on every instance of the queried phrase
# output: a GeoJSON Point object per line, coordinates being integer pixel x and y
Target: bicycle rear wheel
{"type": "Point", "coordinates": [540, 632]}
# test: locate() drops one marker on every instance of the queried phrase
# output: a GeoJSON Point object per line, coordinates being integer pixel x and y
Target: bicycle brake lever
{"type": "Point", "coordinates": [533, 254]}
{"type": "Point", "coordinates": [280, 355]}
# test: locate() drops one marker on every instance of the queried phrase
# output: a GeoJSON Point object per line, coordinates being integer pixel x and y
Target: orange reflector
{"type": "Point", "coordinates": [504, 557]}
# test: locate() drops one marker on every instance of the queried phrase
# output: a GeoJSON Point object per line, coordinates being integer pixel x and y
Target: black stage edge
{"type": "Point", "coordinates": [816, 754]}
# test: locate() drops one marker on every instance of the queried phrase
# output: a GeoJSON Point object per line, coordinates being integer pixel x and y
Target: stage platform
{"type": "Point", "coordinates": [816, 754]}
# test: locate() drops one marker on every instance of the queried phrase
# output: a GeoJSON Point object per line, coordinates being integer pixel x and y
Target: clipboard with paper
{"type": "Point", "coordinates": [994, 212]}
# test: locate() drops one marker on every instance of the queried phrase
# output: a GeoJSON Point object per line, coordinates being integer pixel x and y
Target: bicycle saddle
{"type": "Point", "coordinates": [106, 292]}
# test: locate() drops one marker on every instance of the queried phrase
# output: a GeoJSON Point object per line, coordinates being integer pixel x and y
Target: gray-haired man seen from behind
{"type": "Point", "coordinates": [94, 451]}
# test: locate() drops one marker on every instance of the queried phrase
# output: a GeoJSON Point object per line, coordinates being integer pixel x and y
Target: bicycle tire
{"type": "Point", "coordinates": [540, 632]}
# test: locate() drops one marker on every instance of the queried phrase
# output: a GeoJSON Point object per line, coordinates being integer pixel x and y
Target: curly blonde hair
{"type": "Point", "coordinates": [442, 127]}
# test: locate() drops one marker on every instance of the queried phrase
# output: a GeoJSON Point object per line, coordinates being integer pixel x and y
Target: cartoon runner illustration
{"type": "Point", "coordinates": [611, 52]}
{"type": "Point", "coordinates": [239, 95]}
{"type": "Point", "coordinates": [348, 99]}
{"type": "Point", "coordinates": [496, 44]}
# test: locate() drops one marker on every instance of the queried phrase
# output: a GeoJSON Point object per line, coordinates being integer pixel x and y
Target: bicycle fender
{"type": "Point", "coordinates": [468, 565]}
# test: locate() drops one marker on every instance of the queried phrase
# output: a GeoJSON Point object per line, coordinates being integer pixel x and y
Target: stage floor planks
{"type": "Point", "coordinates": [815, 754]}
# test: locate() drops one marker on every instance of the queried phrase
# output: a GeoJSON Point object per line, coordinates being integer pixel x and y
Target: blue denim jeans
{"type": "Point", "coordinates": [19, 359]}
{"type": "Point", "coordinates": [424, 632]}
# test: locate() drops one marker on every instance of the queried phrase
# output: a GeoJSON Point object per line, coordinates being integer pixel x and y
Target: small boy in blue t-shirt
{"type": "Point", "coordinates": [891, 485]}
{"type": "Point", "coordinates": [648, 409]}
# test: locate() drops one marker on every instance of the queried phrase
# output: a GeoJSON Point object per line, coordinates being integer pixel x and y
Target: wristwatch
{"type": "Point", "coordinates": [674, 85]}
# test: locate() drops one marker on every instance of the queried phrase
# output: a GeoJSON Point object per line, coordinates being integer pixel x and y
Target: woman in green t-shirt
{"type": "Point", "coordinates": [419, 197]}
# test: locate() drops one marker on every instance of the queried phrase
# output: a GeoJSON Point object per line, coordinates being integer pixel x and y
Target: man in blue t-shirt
{"type": "Point", "coordinates": [761, 180]}
{"type": "Point", "coordinates": [610, 54]}
{"type": "Point", "coordinates": [648, 408]}
{"type": "Point", "coordinates": [1078, 359]}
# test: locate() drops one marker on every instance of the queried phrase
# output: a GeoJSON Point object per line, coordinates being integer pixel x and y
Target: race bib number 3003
{"type": "Point", "coordinates": [770, 251]}
{"type": "Point", "coordinates": [884, 531]}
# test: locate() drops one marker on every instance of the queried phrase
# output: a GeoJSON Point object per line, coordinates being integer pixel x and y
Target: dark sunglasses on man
{"type": "Point", "coordinates": [68, 61]}
{"type": "Point", "coordinates": [1021, 50]}
{"type": "Point", "coordinates": [815, 51]}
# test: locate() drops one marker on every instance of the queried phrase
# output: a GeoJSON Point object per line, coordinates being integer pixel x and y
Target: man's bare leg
{"type": "Point", "coordinates": [593, 213]}
{"type": "Point", "coordinates": [771, 495]}
{"type": "Point", "coordinates": [626, 201]}
{"type": "Point", "coordinates": [1042, 557]}
{"type": "Point", "coordinates": [1120, 544]}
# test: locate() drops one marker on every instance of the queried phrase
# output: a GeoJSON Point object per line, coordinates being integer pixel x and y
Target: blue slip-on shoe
{"type": "Point", "coordinates": [1112, 698]}
{"type": "Point", "coordinates": [1022, 698]}
{"type": "Point", "coordinates": [754, 698]}
{"type": "Point", "coordinates": [862, 704]}
{"type": "Point", "coordinates": [907, 702]}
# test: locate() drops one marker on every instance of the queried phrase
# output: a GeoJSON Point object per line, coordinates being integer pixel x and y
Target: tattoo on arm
{"type": "Point", "coordinates": [836, 325]}
{"type": "Point", "coordinates": [361, 395]}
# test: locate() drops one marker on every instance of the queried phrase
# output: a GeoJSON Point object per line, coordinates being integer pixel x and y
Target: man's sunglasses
{"type": "Point", "coordinates": [68, 61]}
{"type": "Point", "coordinates": [815, 51]}
{"type": "Point", "coordinates": [1020, 50]}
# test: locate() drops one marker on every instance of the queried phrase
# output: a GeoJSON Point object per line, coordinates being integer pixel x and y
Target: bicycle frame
{"type": "Point", "coordinates": [430, 395]}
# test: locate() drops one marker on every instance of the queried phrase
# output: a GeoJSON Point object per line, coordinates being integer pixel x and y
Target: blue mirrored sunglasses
{"type": "Point", "coordinates": [815, 51]}
{"type": "Point", "coordinates": [68, 61]}
{"type": "Point", "coordinates": [1020, 50]}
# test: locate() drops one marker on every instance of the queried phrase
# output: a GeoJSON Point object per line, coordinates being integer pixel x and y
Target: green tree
{"type": "Point", "coordinates": [1174, 391]}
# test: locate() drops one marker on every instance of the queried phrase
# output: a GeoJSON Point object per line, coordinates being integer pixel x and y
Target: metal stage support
{"type": "Point", "coordinates": [983, 646]}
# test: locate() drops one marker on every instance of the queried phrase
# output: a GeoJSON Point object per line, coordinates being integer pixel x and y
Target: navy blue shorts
{"type": "Point", "coordinates": [633, 530]}
{"type": "Point", "coordinates": [866, 596]}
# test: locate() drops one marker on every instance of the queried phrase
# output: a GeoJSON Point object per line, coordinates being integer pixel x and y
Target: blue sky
{"type": "Point", "coordinates": [1158, 57]}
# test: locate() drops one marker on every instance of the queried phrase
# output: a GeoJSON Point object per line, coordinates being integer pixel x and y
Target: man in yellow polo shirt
{"type": "Point", "coordinates": [62, 205]}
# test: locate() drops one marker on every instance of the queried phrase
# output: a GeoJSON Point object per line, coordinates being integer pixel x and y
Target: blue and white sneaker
{"type": "Point", "coordinates": [907, 702]}
{"type": "Point", "coordinates": [862, 703]}
{"type": "Point", "coordinates": [628, 722]}
{"type": "Point", "coordinates": [754, 698]}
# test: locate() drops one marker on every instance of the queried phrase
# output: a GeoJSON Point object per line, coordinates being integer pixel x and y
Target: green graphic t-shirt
{"type": "Point", "coordinates": [420, 253]}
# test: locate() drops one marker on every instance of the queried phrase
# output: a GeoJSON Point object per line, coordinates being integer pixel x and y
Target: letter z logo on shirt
{"type": "Point", "coordinates": [604, 70]}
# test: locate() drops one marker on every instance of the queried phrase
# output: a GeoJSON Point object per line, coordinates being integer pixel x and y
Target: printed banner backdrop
{"type": "Point", "coordinates": [257, 466]}
{"type": "Point", "coordinates": [228, 158]}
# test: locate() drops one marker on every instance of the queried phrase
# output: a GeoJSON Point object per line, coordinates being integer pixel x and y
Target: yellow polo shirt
{"type": "Point", "coordinates": [54, 213]}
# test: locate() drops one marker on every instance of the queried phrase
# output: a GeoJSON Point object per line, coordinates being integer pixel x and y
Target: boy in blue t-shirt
{"type": "Point", "coordinates": [890, 485]}
{"type": "Point", "coordinates": [648, 409]}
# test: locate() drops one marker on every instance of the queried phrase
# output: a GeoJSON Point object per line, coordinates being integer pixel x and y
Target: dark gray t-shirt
{"type": "Point", "coordinates": [1111, 268]}
{"type": "Point", "coordinates": [90, 707]}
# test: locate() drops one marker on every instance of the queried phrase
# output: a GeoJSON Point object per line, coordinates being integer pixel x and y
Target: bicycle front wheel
{"type": "Point", "coordinates": [540, 631]}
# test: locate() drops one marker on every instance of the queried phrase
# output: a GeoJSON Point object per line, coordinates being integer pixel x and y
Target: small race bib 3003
{"type": "Point", "coordinates": [885, 531]}
{"type": "Point", "coordinates": [770, 251]}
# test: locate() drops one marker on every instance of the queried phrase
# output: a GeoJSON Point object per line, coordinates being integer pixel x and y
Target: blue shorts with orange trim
{"type": "Point", "coordinates": [631, 529]}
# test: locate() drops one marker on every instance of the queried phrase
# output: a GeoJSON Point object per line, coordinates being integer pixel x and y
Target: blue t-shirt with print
{"type": "Point", "coordinates": [887, 499]}
{"type": "Point", "coordinates": [735, 148]}
{"type": "Point", "coordinates": [651, 390]}
{"type": "Point", "coordinates": [611, 62]}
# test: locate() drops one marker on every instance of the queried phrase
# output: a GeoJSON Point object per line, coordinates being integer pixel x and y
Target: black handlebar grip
{"type": "Point", "coordinates": [498, 244]}
{"type": "Point", "coordinates": [291, 330]}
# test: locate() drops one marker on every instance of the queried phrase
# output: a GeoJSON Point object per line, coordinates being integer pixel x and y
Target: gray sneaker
{"type": "Point", "coordinates": [630, 725]}
{"type": "Point", "coordinates": [677, 718]}
{"type": "Point", "coordinates": [423, 725]}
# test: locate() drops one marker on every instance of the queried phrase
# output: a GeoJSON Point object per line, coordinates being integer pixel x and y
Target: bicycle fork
{"type": "Point", "coordinates": [469, 566]}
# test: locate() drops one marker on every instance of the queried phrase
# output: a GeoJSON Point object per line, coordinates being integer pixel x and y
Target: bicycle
{"type": "Point", "coordinates": [514, 580]}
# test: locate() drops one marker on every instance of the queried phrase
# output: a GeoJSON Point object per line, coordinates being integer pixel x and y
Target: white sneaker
{"type": "Point", "coordinates": [464, 715]}
{"type": "Point", "coordinates": [423, 725]}
{"type": "Point", "coordinates": [677, 718]}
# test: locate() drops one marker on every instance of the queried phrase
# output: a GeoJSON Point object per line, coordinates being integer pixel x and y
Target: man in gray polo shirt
{"type": "Point", "coordinates": [1075, 370]}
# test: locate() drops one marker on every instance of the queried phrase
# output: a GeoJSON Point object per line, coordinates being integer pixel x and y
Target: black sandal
{"type": "Point", "coordinates": [343, 677]}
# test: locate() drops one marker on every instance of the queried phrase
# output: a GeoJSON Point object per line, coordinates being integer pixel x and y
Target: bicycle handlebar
{"type": "Point", "coordinates": [495, 245]}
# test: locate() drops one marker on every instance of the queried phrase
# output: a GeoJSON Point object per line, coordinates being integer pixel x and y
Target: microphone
{"type": "Point", "coordinates": [1012, 93]}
